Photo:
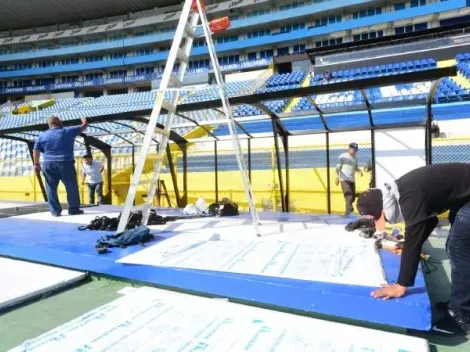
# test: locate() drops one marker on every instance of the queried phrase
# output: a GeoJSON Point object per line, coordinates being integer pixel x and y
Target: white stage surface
{"type": "Point", "coordinates": [22, 281]}
{"type": "Point", "coordinates": [293, 246]}
{"type": "Point", "coordinates": [318, 253]}
{"type": "Point", "coordinates": [149, 319]}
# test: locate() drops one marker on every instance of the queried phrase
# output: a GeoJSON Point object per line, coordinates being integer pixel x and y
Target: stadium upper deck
{"type": "Point", "coordinates": [135, 46]}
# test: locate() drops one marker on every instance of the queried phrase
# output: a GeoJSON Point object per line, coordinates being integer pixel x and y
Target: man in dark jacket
{"type": "Point", "coordinates": [417, 198]}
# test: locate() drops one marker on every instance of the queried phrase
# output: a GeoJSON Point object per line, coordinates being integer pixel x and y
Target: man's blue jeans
{"type": "Point", "coordinates": [458, 249]}
{"type": "Point", "coordinates": [55, 171]}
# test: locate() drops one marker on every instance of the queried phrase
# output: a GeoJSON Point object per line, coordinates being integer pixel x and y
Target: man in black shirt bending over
{"type": "Point", "coordinates": [417, 198]}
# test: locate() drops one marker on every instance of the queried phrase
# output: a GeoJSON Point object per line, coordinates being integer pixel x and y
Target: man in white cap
{"type": "Point", "coordinates": [416, 199]}
{"type": "Point", "coordinates": [346, 174]}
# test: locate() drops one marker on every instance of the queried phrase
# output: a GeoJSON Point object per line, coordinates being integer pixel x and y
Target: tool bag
{"type": "Point", "coordinates": [364, 225]}
{"type": "Point", "coordinates": [138, 235]}
{"type": "Point", "coordinates": [224, 208]}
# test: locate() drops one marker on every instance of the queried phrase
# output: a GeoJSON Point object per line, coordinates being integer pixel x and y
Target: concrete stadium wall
{"type": "Point", "coordinates": [398, 151]}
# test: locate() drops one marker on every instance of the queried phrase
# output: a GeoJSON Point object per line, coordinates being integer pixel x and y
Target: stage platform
{"type": "Point", "coordinates": [22, 281]}
{"type": "Point", "coordinates": [38, 237]}
{"type": "Point", "coordinates": [150, 319]}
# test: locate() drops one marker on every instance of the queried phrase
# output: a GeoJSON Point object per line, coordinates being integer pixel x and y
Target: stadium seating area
{"type": "Point", "coordinates": [450, 91]}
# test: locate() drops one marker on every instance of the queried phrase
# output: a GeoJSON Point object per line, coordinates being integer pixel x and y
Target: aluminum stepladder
{"type": "Point", "coordinates": [192, 12]}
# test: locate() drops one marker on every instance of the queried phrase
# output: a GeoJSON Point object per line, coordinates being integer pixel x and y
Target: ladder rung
{"type": "Point", "coordinates": [162, 131]}
{"type": "Point", "coordinates": [158, 157]}
{"type": "Point", "coordinates": [175, 81]}
{"type": "Point", "coordinates": [147, 182]}
{"type": "Point", "coordinates": [142, 206]}
{"type": "Point", "coordinates": [189, 30]}
{"type": "Point", "coordinates": [182, 56]}
{"type": "Point", "coordinates": [169, 107]}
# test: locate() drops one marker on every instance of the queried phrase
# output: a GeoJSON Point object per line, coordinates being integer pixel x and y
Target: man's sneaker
{"type": "Point", "coordinates": [449, 326]}
{"type": "Point", "coordinates": [56, 215]}
{"type": "Point", "coordinates": [76, 212]}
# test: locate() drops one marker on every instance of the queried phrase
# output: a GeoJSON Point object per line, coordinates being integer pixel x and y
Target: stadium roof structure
{"type": "Point", "coordinates": [36, 13]}
{"type": "Point", "coordinates": [363, 116]}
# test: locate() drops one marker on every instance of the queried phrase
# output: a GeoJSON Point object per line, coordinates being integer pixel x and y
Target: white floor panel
{"type": "Point", "coordinates": [8, 204]}
{"type": "Point", "coordinates": [82, 219]}
{"type": "Point", "coordinates": [21, 281]}
{"type": "Point", "coordinates": [150, 319]}
{"type": "Point", "coordinates": [325, 253]}
{"type": "Point", "coordinates": [285, 221]}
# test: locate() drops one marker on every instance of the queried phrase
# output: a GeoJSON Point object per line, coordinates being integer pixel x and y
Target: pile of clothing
{"type": "Point", "coordinates": [136, 233]}
{"type": "Point", "coordinates": [104, 223]}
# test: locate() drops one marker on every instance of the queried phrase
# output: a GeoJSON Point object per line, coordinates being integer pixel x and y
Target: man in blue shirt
{"type": "Point", "coordinates": [57, 145]}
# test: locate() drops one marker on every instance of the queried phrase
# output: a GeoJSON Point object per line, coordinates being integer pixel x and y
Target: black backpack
{"type": "Point", "coordinates": [224, 209]}
{"type": "Point", "coordinates": [229, 209]}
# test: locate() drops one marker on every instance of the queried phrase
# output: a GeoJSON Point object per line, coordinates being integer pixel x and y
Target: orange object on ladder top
{"type": "Point", "coordinates": [220, 24]}
{"type": "Point", "coordinates": [194, 5]}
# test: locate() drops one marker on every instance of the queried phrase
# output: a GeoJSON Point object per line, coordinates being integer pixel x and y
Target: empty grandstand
{"type": "Point", "coordinates": [304, 79]}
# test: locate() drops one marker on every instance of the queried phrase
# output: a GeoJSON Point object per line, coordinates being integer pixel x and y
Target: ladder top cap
{"type": "Point", "coordinates": [220, 24]}
{"type": "Point", "coordinates": [194, 5]}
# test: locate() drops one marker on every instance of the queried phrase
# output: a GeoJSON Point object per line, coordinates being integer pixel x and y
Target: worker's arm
{"type": "Point", "coordinates": [338, 170]}
{"type": "Point", "coordinates": [37, 154]}
{"type": "Point", "coordinates": [358, 170]}
{"type": "Point", "coordinates": [415, 236]}
{"type": "Point", "coordinates": [84, 124]}
{"type": "Point", "coordinates": [83, 177]}
{"type": "Point", "coordinates": [76, 130]}
{"type": "Point", "coordinates": [36, 157]}
{"type": "Point", "coordinates": [101, 168]}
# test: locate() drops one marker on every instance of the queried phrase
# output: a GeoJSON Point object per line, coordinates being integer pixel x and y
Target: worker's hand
{"type": "Point", "coordinates": [37, 168]}
{"type": "Point", "coordinates": [389, 291]}
{"type": "Point", "coordinates": [337, 182]}
{"type": "Point", "coordinates": [83, 119]}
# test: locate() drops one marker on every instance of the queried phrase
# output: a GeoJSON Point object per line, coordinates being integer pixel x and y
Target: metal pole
{"type": "Point", "coordinates": [133, 159]}
{"type": "Point", "coordinates": [286, 153]}
{"type": "Point", "coordinates": [216, 170]}
{"type": "Point", "coordinates": [133, 167]}
{"type": "Point", "coordinates": [372, 132]}
{"type": "Point", "coordinates": [278, 164]}
{"type": "Point", "coordinates": [107, 154]}
{"type": "Point", "coordinates": [184, 198]}
{"type": "Point", "coordinates": [249, 159]}
{"type": "Point", "coordinates": [372, 144]}
{"type": "Point", "coordinates": [328, 178]}
{"type": "Point", "coordinates": [428, 141]}
{"type": "Point", "coordinates": [174, 178]}
{"type": "Point", "coordinates": [428, 129]}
